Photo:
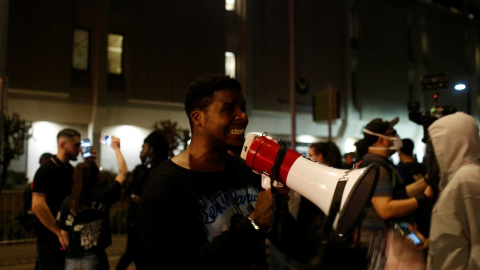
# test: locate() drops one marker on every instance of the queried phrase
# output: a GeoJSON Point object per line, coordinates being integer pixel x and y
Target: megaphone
{"type": "Point", "coordinates": [339, 192]}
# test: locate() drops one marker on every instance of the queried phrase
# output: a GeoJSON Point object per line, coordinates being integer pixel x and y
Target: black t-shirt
{"type": "Point", "coordinates": [89, 230]}
{"type": "Point", "coordinates": [139, 175]}
{"type": "Point", "coordinates": [194, 220]}
{"type": "Point", "coordinates": [54, 180]}
{"type": "Point", "coordinates": [410, 170]}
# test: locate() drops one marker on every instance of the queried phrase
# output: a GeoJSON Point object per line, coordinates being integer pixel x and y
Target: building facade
{"type": "Point", "coordinates": [118, 66]}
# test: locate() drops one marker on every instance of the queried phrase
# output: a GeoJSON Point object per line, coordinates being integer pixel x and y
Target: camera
{"type": "Point", "coordinates": [433, 82]}
{"type": "Point", "coordinates": [86, 148]}
{"type": "Point", "coordinates": [106, 139]}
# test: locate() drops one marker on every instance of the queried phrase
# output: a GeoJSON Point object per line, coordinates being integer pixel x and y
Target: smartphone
{"type": "Point", "coordinates": [402, 227]}
{"type": "Point", "coordinates": [416, 240]}
{"type": "Point", "coordinates": [106, 139]}
{"type": "Point", "coordinates": [86, 148]}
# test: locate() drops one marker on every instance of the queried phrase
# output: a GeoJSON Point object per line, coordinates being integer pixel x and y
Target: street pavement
{"type": "Point", "coordinates": [22, 256]}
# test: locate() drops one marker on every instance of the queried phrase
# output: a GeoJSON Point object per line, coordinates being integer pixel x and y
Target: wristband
{"type": "Point", "coordinates": [422, 200]}
{"type": "Point", "coordinates": [254, 224]}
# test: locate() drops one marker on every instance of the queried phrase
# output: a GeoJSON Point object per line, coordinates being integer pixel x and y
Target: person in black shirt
{"type": "Point", "coordinates": [204, 209]}
{"type": "Point", "coordinates": [155, 150]}
{"type": "Point", "coordinates": [51, 184]}
{"type": "Point", "coordinates": [409, 168]}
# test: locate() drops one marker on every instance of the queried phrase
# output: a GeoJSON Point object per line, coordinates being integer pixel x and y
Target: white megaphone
{"type": "Point", "coordinates": [339, 192]}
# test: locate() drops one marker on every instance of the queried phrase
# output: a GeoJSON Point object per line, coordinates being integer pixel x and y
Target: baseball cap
{"type": "Point", "coordinates": [380, 126]}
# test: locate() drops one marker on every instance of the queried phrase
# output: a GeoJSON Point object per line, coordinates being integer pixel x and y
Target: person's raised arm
{"type": "Point", "coordinates": [122, 165]}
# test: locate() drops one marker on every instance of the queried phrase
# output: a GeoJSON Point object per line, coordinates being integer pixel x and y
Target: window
{"type": "Point", "coordinates": [115, 53]}
{"type": "Point", "coordinates": [230, 5]}
{"type": "Point", "coordinates": [230, 64]}
{"type": "Point", "coordinates": [81, 40]}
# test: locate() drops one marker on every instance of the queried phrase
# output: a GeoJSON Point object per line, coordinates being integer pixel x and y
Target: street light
{"type": "Point", "coordinates": [460, 87]}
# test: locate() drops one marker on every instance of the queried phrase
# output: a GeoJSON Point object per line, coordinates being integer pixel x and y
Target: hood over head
{"type": "Point", "coordinates": [456, 143]}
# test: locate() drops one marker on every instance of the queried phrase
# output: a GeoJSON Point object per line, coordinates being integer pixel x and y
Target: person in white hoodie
{"type": "Point", "coordinates": [455, 230]}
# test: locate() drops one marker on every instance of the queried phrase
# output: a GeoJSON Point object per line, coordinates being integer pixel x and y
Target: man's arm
{"type": "Point", "coordinates": [416, 187]}
{"type": "Point", "coordinates": [41, 210]}
{"type": "Point", "coordinates": [386, 207]}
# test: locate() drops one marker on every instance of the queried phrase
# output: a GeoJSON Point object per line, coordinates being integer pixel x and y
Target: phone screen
{"type": "Point", "coordinates": [416, 240]}
{"type": "Point", "coordinates": [106, 139]}
{"type": "Point", "coordinates": [86, 148]}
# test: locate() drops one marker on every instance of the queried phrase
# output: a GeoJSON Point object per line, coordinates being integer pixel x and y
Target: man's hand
{"type": "Point", "coordinates": [420, 235]}
{"type": "Point", "coordinates": [93, 157]}
{"type": "Point", "coordinates": [262, 215]}
{"type": "Point", "coordinates": [63, 239]}
{"type": "Point", "coordinates": [428, 192]}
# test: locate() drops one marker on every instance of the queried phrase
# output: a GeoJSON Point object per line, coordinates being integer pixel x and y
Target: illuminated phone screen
{"type": "Point", "coordinates": [86, 148]}
{"type": "Point", "coordinates": [416, 240]}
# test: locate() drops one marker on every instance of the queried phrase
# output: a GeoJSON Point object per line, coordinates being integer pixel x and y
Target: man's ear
{"type": "Point", "coordinates": [197, 118]}
{"type": "Point", "coordinates": [61, 143]}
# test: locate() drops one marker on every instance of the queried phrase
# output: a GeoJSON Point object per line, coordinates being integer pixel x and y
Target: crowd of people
{"type": "Point", "coordinates": [205, 209]}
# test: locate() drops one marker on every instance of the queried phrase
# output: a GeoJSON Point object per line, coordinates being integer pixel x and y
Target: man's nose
{"type": "Point", "coordinates": [241, 115]}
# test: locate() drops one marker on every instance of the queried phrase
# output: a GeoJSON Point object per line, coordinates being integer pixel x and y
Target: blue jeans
{"type": "Point", "coordinates": [90, 261]}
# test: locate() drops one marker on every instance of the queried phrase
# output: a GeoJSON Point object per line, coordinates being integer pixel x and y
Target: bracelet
{"type": "Point", "coordinates": [422, 200]}
{"type": "Point", "coordinates": [254, 224]}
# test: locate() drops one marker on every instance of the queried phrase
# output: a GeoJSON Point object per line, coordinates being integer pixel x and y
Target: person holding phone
{"type": "Point", "coordinates": [51, 184]}
{"type": "Point", "coordinates": [84, 217]}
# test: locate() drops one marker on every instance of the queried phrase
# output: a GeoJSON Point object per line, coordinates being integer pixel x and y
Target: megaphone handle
{"type": "Point", "coordinates": [273, 176]}
{"type": "Point", "coordinates": [334, 206]}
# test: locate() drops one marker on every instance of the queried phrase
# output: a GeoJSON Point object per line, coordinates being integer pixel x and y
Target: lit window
{"type": "Point", "coordinates": [115, 51]}
{"type": "Point", "coordinates": [230, 5]}
{"type": "Point", "coordinates": [80, 49]}
{"type": "Point", "coordinates": [230, 64]}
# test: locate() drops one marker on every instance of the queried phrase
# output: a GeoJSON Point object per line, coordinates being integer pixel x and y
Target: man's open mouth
{"type": "Point", "coordinates": [237, 131]}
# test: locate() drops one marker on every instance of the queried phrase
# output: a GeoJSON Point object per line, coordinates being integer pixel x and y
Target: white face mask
{"type": "Point", "coordinates": [397, 142]}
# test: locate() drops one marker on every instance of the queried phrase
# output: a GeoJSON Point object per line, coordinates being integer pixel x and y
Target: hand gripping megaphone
{"type": "Point", "coordinates": [343, 195]}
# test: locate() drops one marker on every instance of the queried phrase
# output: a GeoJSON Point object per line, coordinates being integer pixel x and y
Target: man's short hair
{"type": "Point", "coordinates": [407, 147]}
{"type": "Point", "coordinates": [68, 132]}
{"type": "Point", "coordinates": [200, 92]}
{"type": "Point", "coordinates": [159, 143]}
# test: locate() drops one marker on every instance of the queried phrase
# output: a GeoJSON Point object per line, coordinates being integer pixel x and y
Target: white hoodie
{"type": "Point", "coordinates": [455, 226]}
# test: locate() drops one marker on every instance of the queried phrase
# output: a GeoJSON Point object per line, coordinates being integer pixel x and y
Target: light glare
{"type": "Point", "coordinates": [230, 5]}
{"type": "Point", "coordinates": [460, 87]}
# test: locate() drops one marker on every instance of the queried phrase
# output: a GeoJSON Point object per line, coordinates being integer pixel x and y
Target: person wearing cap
{"type": "Point", "coordinates": [392, 200]}
{"type": "Point", "coordinates": [155, 150]}
{"type": "Point", "coordinates": [409, 168]}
